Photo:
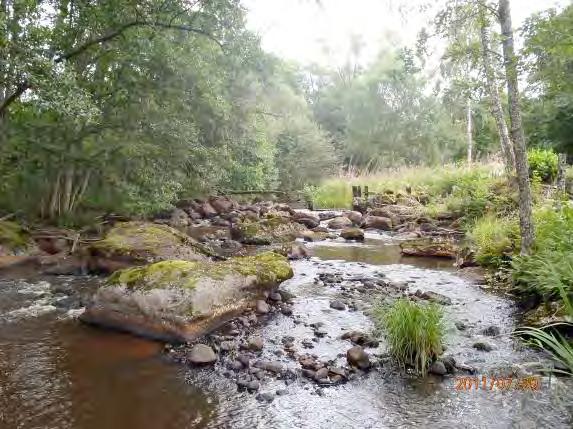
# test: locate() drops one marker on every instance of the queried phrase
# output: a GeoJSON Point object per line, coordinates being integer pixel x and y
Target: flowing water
{"type": "Point", "coordinates": [58, 373]}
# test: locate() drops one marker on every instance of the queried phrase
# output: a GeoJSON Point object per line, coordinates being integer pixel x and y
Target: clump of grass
{"type": "Point", "coordinates": [494, 239]}
{"type": "Point", "coordinates": [543, 163]}
{"type": "Point", "coordinates": [414, 332]}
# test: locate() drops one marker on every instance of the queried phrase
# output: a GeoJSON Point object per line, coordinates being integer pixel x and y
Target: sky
{"type": "Point", "coordinates": [320, 31]}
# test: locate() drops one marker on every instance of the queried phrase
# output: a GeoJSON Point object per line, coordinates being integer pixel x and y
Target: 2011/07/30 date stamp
{"type": "Point", "coordinates": [464, 384]}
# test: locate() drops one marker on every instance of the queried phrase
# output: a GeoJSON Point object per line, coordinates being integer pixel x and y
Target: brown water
{"type": "Point", "coordinates": [58, 373]}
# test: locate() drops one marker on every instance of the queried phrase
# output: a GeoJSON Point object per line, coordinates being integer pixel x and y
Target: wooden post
{"type": "Point", "coordinates": [561, 166]}
{"type": "Point", "coordinates": [366, 192]}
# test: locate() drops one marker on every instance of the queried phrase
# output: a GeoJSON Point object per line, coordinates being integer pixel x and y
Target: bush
{"type": "Point", "coordinates": [543, 163]}
{"type": "Point", "coordinates": [494, 239]}
{"type": "Point", "coordinates": [414, 332]}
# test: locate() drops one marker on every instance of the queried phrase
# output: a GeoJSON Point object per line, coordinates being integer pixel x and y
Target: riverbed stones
{"type": "Point", "coordinates": [354, 216]}
{"type": "Point", "coordinates": [352, 234]}
{"type": "Point", "coordinates": [255, 344]}
{"type": "Point", "coordinates": [439, 249]}
{"type": "Point", "coordinates": [438, 368]}
{"type": "Point", "coordinates": [360, 338]}
{"type": "Point", "coordinates": [377, 222]}
{"type": "Point", "coordinates": [356, 356]}
{"type": "Point", "coordinates": [491, 331]}
{"type": "Point", "coordinates": [202, 354]}
{"type": "Point", "coordinates": [179, 301]}
{"type": "Point", "coordinates": [340, 222]}
{"type": "Point", "coordinates": [438, 298]}
{"type": "Point", "coordinates": [267, 397]}
{"type": "Point", "coordinates": [483, 346]}
{"type": "Point", "coordinates": [262, 307]}
{"type": "Point", "coordinates": [337, 305]}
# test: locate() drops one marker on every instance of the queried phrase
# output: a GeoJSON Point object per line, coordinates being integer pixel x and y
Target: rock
{"type": "Point", "coordinates": [491, 331]}
{"type": "Point", "coordinates": [424, 248]}
{"type": "Point", "coordinates": [255, 344]}
{"type": "Point", "coordinates": [207, 210]}
{"type": "Point", "coordinates": [275, 296]}
{"type": "Point", "coordinates": [321, 229]}
{"type": "Point", "coordinates": [308, 219]}
{"type": "Point", "coordinates": [202, 354]}
{"type": "Point", "coordinates": [356, 356]}
{"type": "Point", "coordinates": [286, 310]}
{"type": "Point", "coordinates": [483, 346]}
{"type": "Point", "coordinates": [354, 216]}
{"type": "Point", "coordinates": [460, 326]}
{"type": "Point", "coordinates": [434, 297]}
{"type": "Point", "coordinates": [179, 219]}
{"type": "Point", "coordinates": [179, 301]}
{"type": "Point", "coordinates": [136, 243]}
{"type": "Point", "coordinates": [312, 236]}
{"type": "Point", "coordinates": [337, 305]}
{"type": "Point", "coordinates": [383, 212]}
{"type": "Point", "coordinates": [262, 307]}
{"type": "Point", "coordinates": [449, 363]}
{"type": "Point", "coordinates": [308, 373]}
{"type": "Point", "coordinates": [281, 392]}
{"type": "Point", "coordinates": [227, 346]}
{"type": "Point", "coordinates": [340, 222]}
{"type": "Point", "coordinates": [438, 368]}
{"type": "Point", "coordinates": [352, 234]}
{"type": "Point", "coordinates": [267, 231]}
{"type": "Point", "coordinates": [222, 205]}
{"type": "Point", "coordinates": [322, 373]}
{"type": "Point", "coordinates": [360, 338]}
{"type": "Point", "coordinates": [377, 222]}
{"type": "Point", "coordinates": [266, 397]}
{"type": "Point", "coordinates": [296, 251]}
{"type": "Point", "coordinates": [245, 360]}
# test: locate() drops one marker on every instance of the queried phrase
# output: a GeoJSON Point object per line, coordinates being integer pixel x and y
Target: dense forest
{"type": "Point", "coordinates": [127, 106]}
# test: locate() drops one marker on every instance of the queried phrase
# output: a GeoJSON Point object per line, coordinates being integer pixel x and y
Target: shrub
{"type": "Point", "coordinates": [494, 239]}
{"type": "Point", "coordinates": [414, 332]}
{"type": "Point", "coordinates": [543, 163]}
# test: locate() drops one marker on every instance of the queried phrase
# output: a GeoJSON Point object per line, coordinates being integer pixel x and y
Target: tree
{"type": "Point", "coordinates": [517, 136]}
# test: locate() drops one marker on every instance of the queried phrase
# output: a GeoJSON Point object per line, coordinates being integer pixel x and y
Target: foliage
{"type": "Point", "coordinates": [495, 239]}
{"type": "Point", "coordinates": [543, 164]}
{"type": "Point", "coordinates": [560, 348]}
{"type": "Point", "coordinates": [548, 55]}
{"type": "Point", "coordinates": [414, 332]}
{"type": "Point", "coordinates": [549, 269]}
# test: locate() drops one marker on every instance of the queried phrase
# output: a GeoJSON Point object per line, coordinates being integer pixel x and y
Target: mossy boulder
{"type": "Point", "coordinates": [14, 240]}
{"type": "Point", "coordinates": [267, 231]}
{"type": "Point", "coordinates": [179, 301]}
{"type": "Point", "coordinates": [137, 243]}
{"type": "Point", "coordinates": [438, 249]}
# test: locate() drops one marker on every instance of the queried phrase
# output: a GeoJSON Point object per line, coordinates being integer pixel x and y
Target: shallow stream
{"type": "Point", "coordinates": [57, 373]}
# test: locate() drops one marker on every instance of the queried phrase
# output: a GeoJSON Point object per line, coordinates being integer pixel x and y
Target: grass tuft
{"type": "Point", "coordinates": [414, 332]}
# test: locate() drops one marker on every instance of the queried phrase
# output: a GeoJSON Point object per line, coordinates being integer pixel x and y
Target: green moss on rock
{"type": "Point", "coordinates": [275, 229]}
{"type": "Point", "coordinates": [149, 241]}
{"type": "Point", "coordinates": [267, 268]}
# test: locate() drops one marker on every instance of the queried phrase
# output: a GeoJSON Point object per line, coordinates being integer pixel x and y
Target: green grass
{"type": "Point", "coordinates": [414, 332]}
{"type": "Point", "coordinates": [494, 239]}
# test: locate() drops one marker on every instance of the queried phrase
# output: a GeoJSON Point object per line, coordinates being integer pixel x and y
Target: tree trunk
{"type": "Point", "coordinates": [521, 164]}
{"type": "Point", "coordinates": [494, 98]}
{"type": "Point", "coordinates": [469, 131]}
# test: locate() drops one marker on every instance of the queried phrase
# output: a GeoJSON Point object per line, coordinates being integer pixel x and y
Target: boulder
{"type": "Point", "coordinates": [377, 222]}
{"type": "Point", "coordinates": [327, 215]}
{"type": "Point", "coordinates": [438, 368]}
{"type": "Point", "coordinates": [340, 222]}
{"type": "Point", "coordinates": [438, 298]}
{"type": "Point", "coordinates": [202, 354]}
{"type": "Point", "coordinates": [337, 305]}
{"type": "Point", "coordinates": [207, 210]}
{"type": "Point", "coordinates": [267, 231]}
{"type": "Point", "coordinates": [354, 216]}
{"type": "Point", "coordinates": [222, 204]}
{"type": "Point", "coordinates": [483, 346]}
{"type": "Point", "coordinates": [491, 331]}
{"type": "Point", "coordinates": [309, 222]}
{"type": "Point", "coordinates": [137, 243]}
{"type": "Point", "coordinates": [383, 212]}
{"type": "Point", "coordinates": [440, 249]}
{"type": "Point", "coordinates": [356, 356]}
{"type": "Point", "coordinates": [179, 301]}
{"type": "Point", "coordinates": [352, 234]}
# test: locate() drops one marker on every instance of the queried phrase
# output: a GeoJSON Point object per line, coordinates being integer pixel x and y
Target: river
{"type": "Point", "coordinates": [58, 373]}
